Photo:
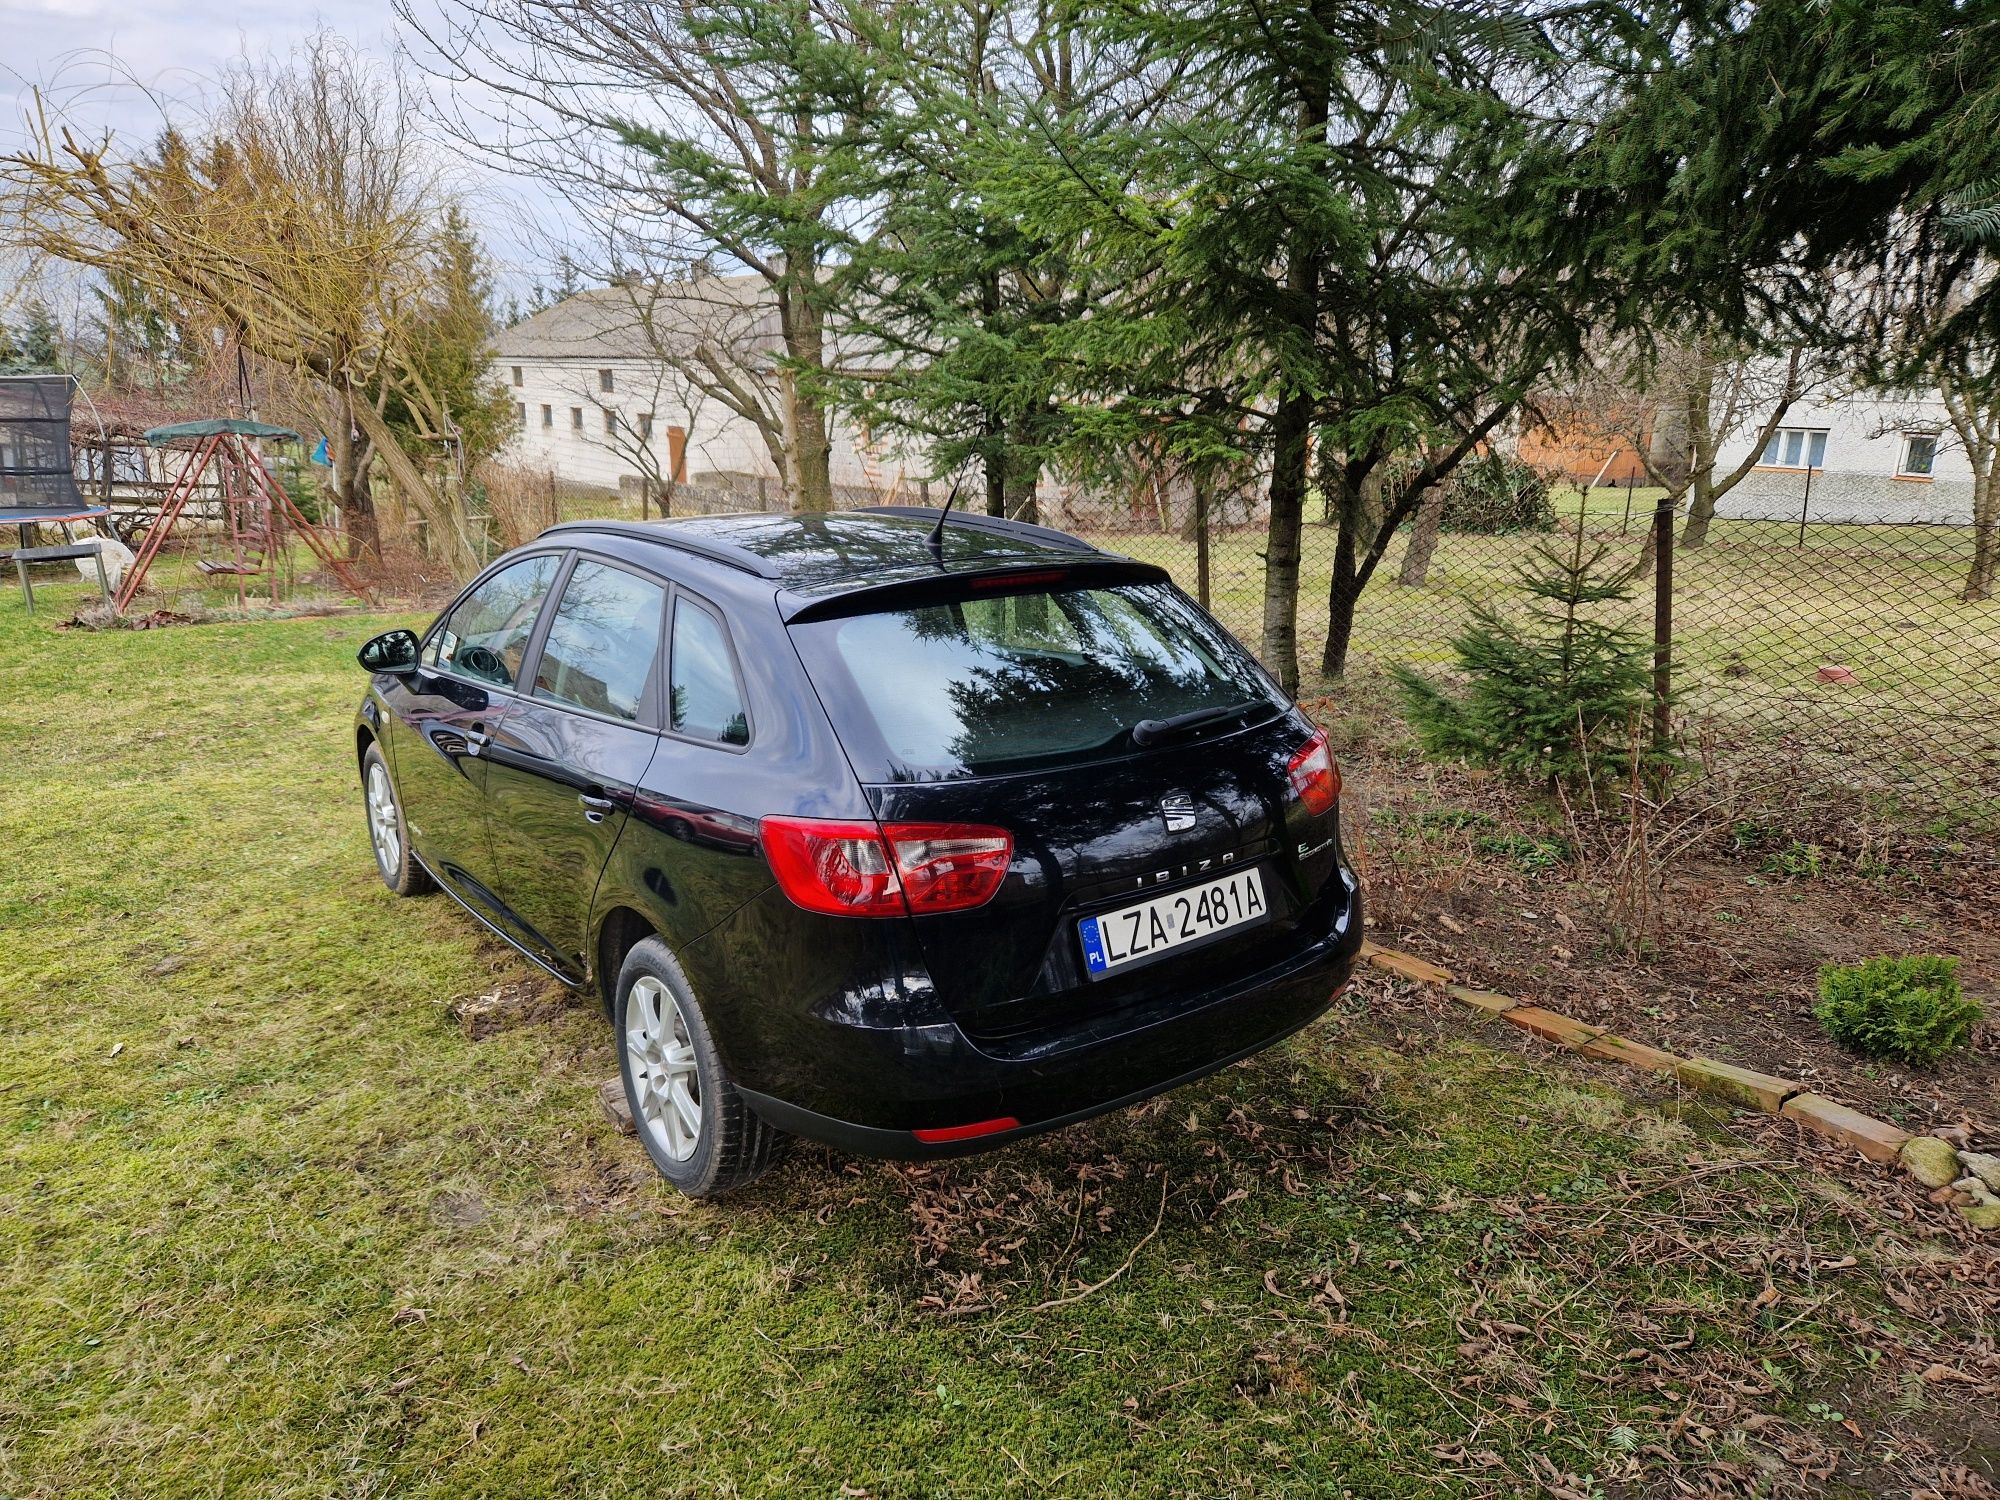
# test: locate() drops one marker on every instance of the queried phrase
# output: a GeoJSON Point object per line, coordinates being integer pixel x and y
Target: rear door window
{"type": "Point", "coordinates": [705, 696]}
{"type": "Point", "coordinates": [486, 634]}
{"type": "Point", "coordinates": [603, 641]}
{"type": "Point", "coordinates": [1019, 681]}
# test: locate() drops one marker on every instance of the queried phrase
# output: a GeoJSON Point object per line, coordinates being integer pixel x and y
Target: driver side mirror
{"type": "Point", "coordinates": [391, 651]}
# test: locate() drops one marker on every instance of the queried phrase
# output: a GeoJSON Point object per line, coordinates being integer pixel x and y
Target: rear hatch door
{"type": "Point", "coordinates": [1049, 711]}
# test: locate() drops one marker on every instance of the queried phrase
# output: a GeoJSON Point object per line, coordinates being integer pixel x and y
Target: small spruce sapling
{"type": "Point", "coordinates": [1553, 694]}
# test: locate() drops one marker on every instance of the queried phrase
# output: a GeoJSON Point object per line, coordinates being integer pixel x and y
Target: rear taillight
{"type": "Point", "coordinates": [949, 866]}
{"type": "Point", "coordinates": [864, 870]}
{"type": "Point", "coordinates": [839, 868]}
{"type": "Point", "coordinates": [1314, 776]}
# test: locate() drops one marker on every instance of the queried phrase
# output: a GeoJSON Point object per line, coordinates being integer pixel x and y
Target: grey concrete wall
{"type": "Point", "coordinates": [1776, 495]}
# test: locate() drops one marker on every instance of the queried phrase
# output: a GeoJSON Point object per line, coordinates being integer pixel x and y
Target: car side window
{"type": "Point", "coordinates": [602, 642]}
{"type": "Point", "coordinates": [706, 698]}
{"type": "Point", "coordinates": [486, 636]}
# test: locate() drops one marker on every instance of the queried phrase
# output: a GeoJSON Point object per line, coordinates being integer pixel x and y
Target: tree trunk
{"type": "Point", "coordinates": [1649, 553]}
{"type": "Point", "coordinates": [809, 474]}
{"type": "Point", "coordinates": [1368, 509]}
{"type": "Point", "coordinates": [1701, 469]}
{"type": "Point", "coordinates": [1985, 534]}
{"type": "Point", "coordinates": [1344, 590]}
{"type": "Point", "coordinates": [447, 535]}
{"type": "Point", "coordinates": [1023, 471]}
{"type": "Point", "coordinates": [1423, 539]}
{"type": "Point", "coordinates": [1281, 550]}
{"type": "Point", "coordinates": [1701, 510]}
{"type": "Point", "coordinates": [353, 488]}
{"type": "Point", "coordinates": [994, 465]}
{"type": "Point", "coordinates": [1291, 424]}
{"type": "Point", "coordinates": [1198, 519]}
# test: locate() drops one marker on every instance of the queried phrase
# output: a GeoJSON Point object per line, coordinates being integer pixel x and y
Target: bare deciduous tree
{"type": "Point", "coordinates": [690, 139]}
{"type": "Point", "coordinates": [1974, 409]}
{"type": "Point", "coordinates": [300, 213]}
{"type": "Point", "coordinates": [1679, 404]}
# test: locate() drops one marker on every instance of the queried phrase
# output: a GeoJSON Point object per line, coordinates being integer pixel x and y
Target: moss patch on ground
{"type": "Point", "coordinates": [271, 1223]}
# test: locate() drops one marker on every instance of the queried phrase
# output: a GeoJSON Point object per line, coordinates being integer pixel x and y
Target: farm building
{"type": "Point", "coordinates": [603, 395]}
{"type": "Point", "coordinates": [1857, 456]}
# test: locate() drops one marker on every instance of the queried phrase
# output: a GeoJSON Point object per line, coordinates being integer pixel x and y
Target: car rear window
{"type": "Point", "coordinates": [1019, 681]}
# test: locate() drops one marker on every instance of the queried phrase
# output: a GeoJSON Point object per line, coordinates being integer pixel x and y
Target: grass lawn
{"type": "Point", "coordinates": [270, 1223]}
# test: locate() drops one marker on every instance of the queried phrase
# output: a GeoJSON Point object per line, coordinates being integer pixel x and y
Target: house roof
{"type": "Point", "coordinates": [638, 320]}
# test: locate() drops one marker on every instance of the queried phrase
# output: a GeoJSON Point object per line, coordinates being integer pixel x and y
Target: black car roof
{"type": "Point", "coordinates": [836, 551]}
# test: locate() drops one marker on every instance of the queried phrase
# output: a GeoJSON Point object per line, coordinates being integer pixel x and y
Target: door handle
{"type": "Point", "coordinates": [595, 808]}
{"type": "Point", "coordinates": [476, 739]}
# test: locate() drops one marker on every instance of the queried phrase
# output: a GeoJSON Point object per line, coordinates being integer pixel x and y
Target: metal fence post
{"type": "Point", "coordinates": [1663, 617]}
{"type": "Point", "coordinates": [1201, 540]}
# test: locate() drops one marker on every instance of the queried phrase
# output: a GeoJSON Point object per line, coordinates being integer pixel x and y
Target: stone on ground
{"type": "Point", "coordinates": [1983, 1165]}
{"type": "Point", "coordinates": [1931, 1161]}
{"type": "Point", "coordinates": [611, 1098]}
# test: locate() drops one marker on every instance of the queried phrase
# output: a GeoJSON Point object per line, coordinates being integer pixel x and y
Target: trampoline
{"type": "Point", "coordinates": [37, 483]}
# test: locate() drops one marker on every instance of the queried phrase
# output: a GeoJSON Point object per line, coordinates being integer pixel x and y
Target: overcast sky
{"type": "Point", "coordinates": [72, 45]}
{"type": "Point", "coordinates": [89, 53]}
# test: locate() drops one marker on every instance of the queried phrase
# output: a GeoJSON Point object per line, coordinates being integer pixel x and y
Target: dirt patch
{"type": "Point", "coordinates": [528, 1002]}
{"type": "Point", "coordinates": [1474, 873]}
{"type": "Point", "coordinates": [97, 618]}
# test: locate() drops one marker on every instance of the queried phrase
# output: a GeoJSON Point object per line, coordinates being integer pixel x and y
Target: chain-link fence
{"type": "Point", "coordinates": [1841, 653]}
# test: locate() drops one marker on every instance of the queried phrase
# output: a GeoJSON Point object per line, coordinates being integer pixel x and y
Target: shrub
{"type": "Point", "coordinates": [1555, 693]}
{"type": "Point", "coordinates": [522, 502]}
{"type": "Point", "coordinates": [1910, 1009]}
{"type": "Point", "coordinates": [1495, 494]}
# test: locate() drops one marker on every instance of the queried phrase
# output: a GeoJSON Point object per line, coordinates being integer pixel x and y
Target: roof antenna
{"type": "Point", "coordinates": [937, 531]}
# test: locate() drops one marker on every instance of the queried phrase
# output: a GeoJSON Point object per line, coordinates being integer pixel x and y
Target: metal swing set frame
{"type": "Point", "coordinates": [256, 511]}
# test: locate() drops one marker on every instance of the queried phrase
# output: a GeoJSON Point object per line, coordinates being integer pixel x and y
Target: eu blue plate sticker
{"type": "Point", "coordinates": [1093, 946]}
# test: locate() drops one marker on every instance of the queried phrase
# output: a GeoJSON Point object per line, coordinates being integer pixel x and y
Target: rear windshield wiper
{"type": "Point", "coordinates": [1152, 731]}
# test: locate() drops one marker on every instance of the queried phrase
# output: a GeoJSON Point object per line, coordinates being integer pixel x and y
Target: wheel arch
{"type": "Point", "coordinates": [619, 931]}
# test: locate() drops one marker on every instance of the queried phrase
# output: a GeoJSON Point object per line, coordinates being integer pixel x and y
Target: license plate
{"type": "Point", "coordinates": [1132, 934]}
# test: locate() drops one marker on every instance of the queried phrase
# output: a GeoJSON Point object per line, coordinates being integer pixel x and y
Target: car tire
{"type": "Point", "coordinates": [701, 1135]}
{"type": "Point", "coordinates": [388, 829]}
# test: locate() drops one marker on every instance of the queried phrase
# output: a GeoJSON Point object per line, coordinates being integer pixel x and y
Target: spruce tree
{"type": "Point", "coordinates": [1556, 692]}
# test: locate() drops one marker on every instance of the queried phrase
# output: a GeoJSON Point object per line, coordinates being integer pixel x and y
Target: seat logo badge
{"type": "Point", "coordinates": [1177, 812]}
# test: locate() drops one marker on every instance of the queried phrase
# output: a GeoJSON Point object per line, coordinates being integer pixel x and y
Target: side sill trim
{"type": "Point", "coordinates": [484, 921]}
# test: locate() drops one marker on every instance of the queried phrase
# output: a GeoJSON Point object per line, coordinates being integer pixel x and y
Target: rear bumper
{"type": "Point", "coordinates": [871, 1088]}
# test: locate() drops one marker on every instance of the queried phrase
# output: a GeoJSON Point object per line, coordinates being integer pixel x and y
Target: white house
{"type": "Point", "coordinates": [1856, 456]}
{"type": "Point", "coordinates": [633, 381]}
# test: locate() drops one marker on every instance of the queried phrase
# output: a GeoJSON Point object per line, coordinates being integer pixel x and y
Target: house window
{"type": "Point", "coordinates": [517, 374]}
{"type": "Point", "coordinates": [521, 413]}
{"type": "Point", "coordinates": [605, 382]}
{"type": "Point", "coordinates": [1919, 454]}
{"type": "Point", "coordinates": [576, 418]}
{"type": "Point", "coordinates": [610, 423]}
{"type": "Point", "coordinates": [1796, 448]}
{"type": "Point", "coordinates": [548, 415]}
{"type": "Point", "coordinates": [645, 426]}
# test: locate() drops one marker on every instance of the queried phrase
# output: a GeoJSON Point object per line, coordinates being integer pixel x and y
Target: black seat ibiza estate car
{"type": "Point", "coordinates": [909, 837]}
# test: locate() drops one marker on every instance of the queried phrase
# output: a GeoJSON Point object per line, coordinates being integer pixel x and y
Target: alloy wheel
{"type": "Point", "coordinates": [385, 827]}
{"type": "Point", "coordinates": [665, 1084]}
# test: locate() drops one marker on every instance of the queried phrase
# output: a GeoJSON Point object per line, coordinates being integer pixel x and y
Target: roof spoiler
{"type": "Point", "coordinates": [1088, 569]}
